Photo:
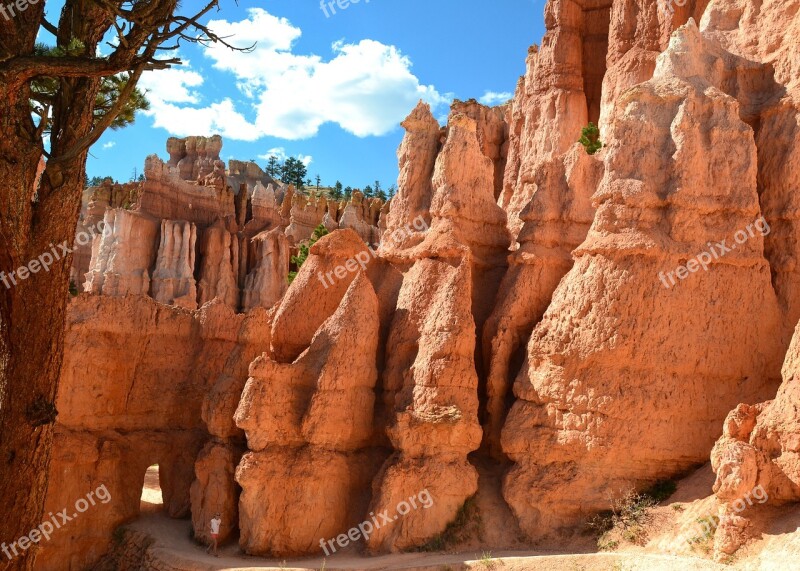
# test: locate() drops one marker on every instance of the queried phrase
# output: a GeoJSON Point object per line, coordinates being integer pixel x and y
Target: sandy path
{"type": "Point", "coordinates": [174, 547]}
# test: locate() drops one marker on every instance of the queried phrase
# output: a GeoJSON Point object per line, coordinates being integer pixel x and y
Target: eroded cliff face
{"type": "Point", "coordinates": [558, 95]}
{"type": "Point", "coordinates": [624, 348]}
{"type": "Point", "coordinates": [570, 325]}
{"type": "Point", "coordinates": [134, 378]}
{"type": "Point", "coordinates": [758, 449]}
{"type": "Point", "coordinates": [309, 426]}
{"type": "Point", "coordinates": [597, 370]}
{"type": "Point", "coordinates": [556, 221]}
{"type": "Point", "coordinates": [194, 230]}
{"type": "Point", "coordinates": [766, 36]}
{"type": "Point", "coordinates": [214, 489]}
{"type": "Point", "coordinates": [375, 385]}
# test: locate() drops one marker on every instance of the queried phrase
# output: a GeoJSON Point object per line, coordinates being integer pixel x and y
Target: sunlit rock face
{"type": "Point", "coordinates": [582, 324]}
{"type": "Point", "coordinates": [375, 385]}
{"type": "Point", "coordinates": [757, 454]}
{"type": "Point", "coordinates": [225, 214]}
{"type": "Point", "coordinates": [122, 254]}
{"type": "Point", "coordinates": [308, 425]}
{"type": "Point", "coordinates": [145, 407]}
{"type": "Point", "coordinates": [265, 284]}
{"type": "Point", "coordinates": [556, 221]}
{"type": "Point", "coordinates": [606, 371]}
{"type": "Point", "coordinates": [173, 279]}
{"type": "Point", "coordinates": [219, 266]}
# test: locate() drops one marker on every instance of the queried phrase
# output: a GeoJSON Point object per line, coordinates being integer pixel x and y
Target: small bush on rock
{"type": "Point", "coordinates": [466, 524]}
{"type": "Point", "coordinates": [590, 139]}
{"type": "Point", "coordinates": [304, 249]}
{"type": "Point", "coordinates": [628, 516]}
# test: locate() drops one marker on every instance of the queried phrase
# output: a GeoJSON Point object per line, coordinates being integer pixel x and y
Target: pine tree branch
{"type": "Point", "coordinates": [100, 127]}
{"type": "Point", "coordinates": [23, 69]}
{"type": "Point", "coordinates": [48, 26]}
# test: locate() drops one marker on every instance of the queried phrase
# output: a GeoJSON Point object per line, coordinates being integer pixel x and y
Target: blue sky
{"type": "Point", "coordinates": [329, 89]}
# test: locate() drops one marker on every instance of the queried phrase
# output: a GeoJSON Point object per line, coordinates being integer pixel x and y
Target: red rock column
{"type": "Point", "coordinates": [123, 253]}
{"type": "Point", "coordinates": [308, 426]}
{"type": "Point", "coordinates": [630, 372]}
{"type": "Point", "coordinates": [268, 279]}
{"type": "Point", "coordinates": [219, 266]}
{"type": "Point", "coordinates": [556, 221]}
{"type": "Point", "coordinates": [173, 278]}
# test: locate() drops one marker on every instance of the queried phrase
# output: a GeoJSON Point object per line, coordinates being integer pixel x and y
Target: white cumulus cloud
{"type": "Point", "coordinates": [495, 98]}
{"type": "Point", "coordinates": [366, 88]}
{"type": "Point", "coordinates": [109, 145]}
{"type": "Point", "coordinates": [168, 89]}
{"type": "Point", "coordinates": [172, 85]}
{"type": "Point", "coordinates": [220, 118]}
{"type": "Point", "coordinates": [280, 154]}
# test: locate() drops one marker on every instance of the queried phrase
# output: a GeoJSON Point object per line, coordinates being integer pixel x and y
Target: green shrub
{"type": "Point", "coordinates": [590, 139]}
{"type": "Point", "coordinates": [605, 544]}
{"type": "Point", "coordinates": [704, 541]}
{"type": "Point", "coordinates": [466, 523]}
{"type": "Point", "coordinates": [302, 254]}
{"type": "Point", "coordinates": [661, 490]}
{"type": "Point", "coordinates": [628, 516]}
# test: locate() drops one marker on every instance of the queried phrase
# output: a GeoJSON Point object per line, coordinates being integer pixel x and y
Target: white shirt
{"type": "Point", "coordinates": [215, 523]}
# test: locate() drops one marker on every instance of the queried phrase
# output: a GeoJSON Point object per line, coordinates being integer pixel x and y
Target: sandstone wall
{"type": "Point", "coordinates": [213, 222]}
{"type": "Point", "coordinates": [556, 221]}
{"type": "Point", "coordinates": [214, 489]}
{"type": "Point", "coordinates": [133, 381]}
{"type": "Point", "coordinates": [769, 91]}
{"type": "Point", "coordinates": [758, 448]}
{"type": "Point", "coordinates": [123, 252]}
{"type": "Point", "coordinates": [621, 353]}
{"type": "Point", "coordinates": [393, 329]}
{"type": "Point", "coordinates": [510, 258]}
{"type": "Point", "coordinates": [95, 202]}
{"type": "Point", "coordinates": [308, 426]}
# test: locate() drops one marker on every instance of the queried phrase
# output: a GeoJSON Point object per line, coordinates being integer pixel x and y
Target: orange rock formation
{"type": "Point", "coordinates": [579, 323]}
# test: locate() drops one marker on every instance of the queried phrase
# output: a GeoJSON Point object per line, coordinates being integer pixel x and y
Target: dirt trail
{"type": "Point", "coordinates": [174, 549]}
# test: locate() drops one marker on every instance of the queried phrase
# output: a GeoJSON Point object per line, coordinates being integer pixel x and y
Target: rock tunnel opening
{"type": "Point", "coordinates": [152, 499]}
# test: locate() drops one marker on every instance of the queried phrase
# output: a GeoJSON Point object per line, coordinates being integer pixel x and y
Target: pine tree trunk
{"type": "Point", "coordinates": [32, 311]}
{"type": "Point", "coordinates": [33, 307]}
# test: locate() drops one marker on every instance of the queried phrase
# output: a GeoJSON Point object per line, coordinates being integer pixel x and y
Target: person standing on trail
{"type": "Point", "coordinates": [216, 521]}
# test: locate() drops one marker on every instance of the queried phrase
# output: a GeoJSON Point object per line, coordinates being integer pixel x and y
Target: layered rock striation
{"type": "Point", "coordinates": [570, 325]}
{"type": "Point", "coordinates": [211, 228]}
{"type": "Point", "coordinates": [118, 416]}
{"type": "Point", "coordinates": [309, 424]}
{"type": "Point", "coordinates": [606, 372]}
